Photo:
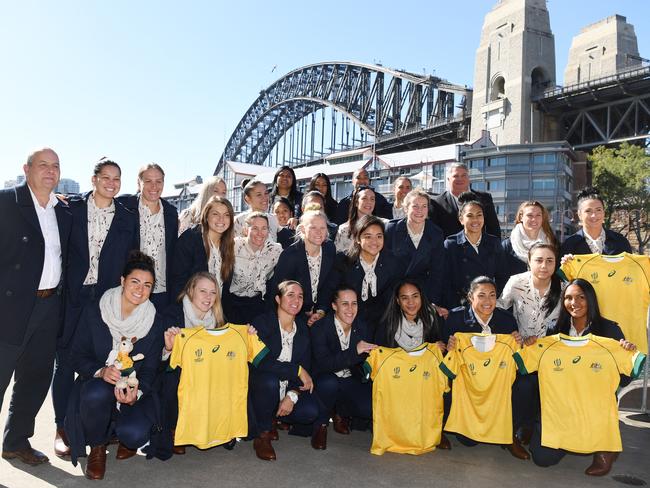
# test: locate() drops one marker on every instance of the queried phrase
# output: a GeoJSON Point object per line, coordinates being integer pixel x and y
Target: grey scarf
{"type": "Point", "coordinates": [135, 325]}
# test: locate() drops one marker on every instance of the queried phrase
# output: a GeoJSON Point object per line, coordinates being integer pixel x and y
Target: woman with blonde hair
{"type": "Point", "coordinates": [308, 261]}
{"type": "Point", "coordinates": [532, 226]}
{"type": "Point", "coordinates": [191, 216]}
{"type": "Point", "coordinates": [208, 246]}
{"type": "Point", "coordinates": [198, 305]}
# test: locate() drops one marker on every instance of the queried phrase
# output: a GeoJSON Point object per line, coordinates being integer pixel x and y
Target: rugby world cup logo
{"type": "Point", "coordinates": [396, 371]}
{"type": "Point", "coordinates": [557, 362]}
{"type": "Point", "coordinates": [198, 353]}
{"type": "Point", "coordinates": [594, 277]}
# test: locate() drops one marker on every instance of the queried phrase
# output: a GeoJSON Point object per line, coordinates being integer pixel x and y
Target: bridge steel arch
{"type": "Point", "coordinates": [381, 101]}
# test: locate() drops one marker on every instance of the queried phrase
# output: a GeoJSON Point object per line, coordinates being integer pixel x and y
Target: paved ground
{"type": "Point", "coordinates": [346, 462]}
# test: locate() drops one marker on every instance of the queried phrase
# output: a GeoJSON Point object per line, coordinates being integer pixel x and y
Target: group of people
{"type": "Point", "coordinates": [321, 284]}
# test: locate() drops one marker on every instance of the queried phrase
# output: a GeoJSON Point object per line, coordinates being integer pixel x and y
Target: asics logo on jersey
{"type": "Point", "coordinates": [611, 273]}
{"type": "Point", "coordinates": [216, 348]}
{"type": "Point", "coordinates": [487, 363]}
{"type": "Point", "coordinates": [413, 368]}
{"type": "Point", "coordinates": [576, 359]}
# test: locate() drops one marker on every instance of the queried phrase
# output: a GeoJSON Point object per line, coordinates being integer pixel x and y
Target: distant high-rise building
{"type": "Point", "coordinates": [66, 186]}
{"type": "Point", "coordinates": [11, 183]}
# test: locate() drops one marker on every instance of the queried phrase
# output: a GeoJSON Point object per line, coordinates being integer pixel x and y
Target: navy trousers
{"type": "Point", "coordinates": [266, 398]}
{"type": "Point", "coordinates": [169, 397]}
{"type": "Point", "coordinates": [543, 456]}
{"type": "Point", "coordinates": [98, 411]}
{"type": "Point", "coordinates": [63, 379]}
{"type": "Point", "coordinates": [31, 364]}
{"type": "Point", "coordinates": [242, 310]}
{"type": "Point", "coordinates": [349, 397]}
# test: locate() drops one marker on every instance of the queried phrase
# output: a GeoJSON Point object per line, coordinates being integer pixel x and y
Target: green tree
{"type": "Point", "coordinates": [622, 176]}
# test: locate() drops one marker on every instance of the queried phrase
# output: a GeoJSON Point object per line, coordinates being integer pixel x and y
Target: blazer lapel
{"type": "Point", "coordinates": [26, 206]}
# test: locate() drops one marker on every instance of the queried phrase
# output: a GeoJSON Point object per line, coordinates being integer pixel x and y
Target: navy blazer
{"type": "Point", "coordinates": [326, 347]}
{"type": "Point", "coordinates": [22, 257]}
{"type": "Point", "coordinates": [383, 209]}
{"type": "Point", "coordinates": [122, 238]}
{"type": "Point", "coordinates": [93, 342]}
{"type": "Point", "coordinates": [463, 264]}
{"type": "Point", "coordinates": [426, 264]}
{"type": "Point", "coordinates": [389, 271]}
{"type": "Point", "coordinates": [292, 265]}
{"type": "Point", "coordinates": [514, 265]}
{"type": "Point", "coordinates": [170, 216]}
{"type": "Point", "coordinates": [462, 319]}
{"type": "Point", "coordinates": [444, 213]}
{"type": "Point", "coordinates": [615, 243]}
{"type": "Point", "coordinates": [189, 258]}
{"type": "Point", "coordinates": [268, 330]}
{"type": "Point", "coordinates": [286, 237]}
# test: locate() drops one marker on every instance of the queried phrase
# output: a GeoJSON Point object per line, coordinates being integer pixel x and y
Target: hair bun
{"type": "Point", "coordinates": [136, 256]}
{"type": "Point", "coordinates": [467, 197]}
{"type": "Point", "coordinates": [313, 207]}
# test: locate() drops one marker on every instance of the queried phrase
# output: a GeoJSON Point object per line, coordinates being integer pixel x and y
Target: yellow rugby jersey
{"type": "Point", "coordinates": [214, 383]}
{"type": "Point", "coordinates": [481, 405]}
{"type": "Point", "coordinates": [578, 377]}
{"type": "Point", "coordinates": [622, 284]}
{"type": "Point", "coordinates": [407, 405]}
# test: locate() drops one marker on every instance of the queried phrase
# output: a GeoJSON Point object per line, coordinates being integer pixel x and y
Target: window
{"type": "Point", "coordinates": [497, 161]}
{"type": "Point", "coordinates": [498, 89]}
{"type": "Point", "coordinates": [518, 184]}
{"type": "Point", "coordinates": [546, 184]}
{"type": "Point", "coordinates": [496, 185]}
{"type": "Point", "coordinates": [544, 159]}
{"type": "Point", "coordinates": [476, 164]}
{"type": "Point", "coordinates": [478, 185]}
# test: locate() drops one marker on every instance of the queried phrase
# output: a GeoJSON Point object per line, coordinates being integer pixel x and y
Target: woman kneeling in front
{"type": "Point", "coordinates": [281, 385]}
{"type": "Point", "coordinates": [122, 318]}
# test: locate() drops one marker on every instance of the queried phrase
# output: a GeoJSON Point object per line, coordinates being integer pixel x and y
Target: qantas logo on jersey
{"type": "Point", "coordinates": [558, 362]}
{"type": "Point", "coordinates": [198, 353]}
{"type": "Point", "coordinates": [396, 372]}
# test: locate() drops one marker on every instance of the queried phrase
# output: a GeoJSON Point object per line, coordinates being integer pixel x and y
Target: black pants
{"type": "Point", "coordinates": [348, 396]}
{"type": "Point", "coordinates": [31, 363]}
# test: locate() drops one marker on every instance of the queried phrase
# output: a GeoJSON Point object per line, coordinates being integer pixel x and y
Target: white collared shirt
{"type": "Point", "coordinates": [286, 353]}
{"type": "Point", "coordinates": [253, 268]}
{"type": "Point", "coordinates": [152, 242]}
{"type": "Point", "coordinates": [475, 246]}
{"type": "Point", "coordinates": [485, 328]}
{"type": "Point", "coordinates": [99, 223]}
{"type": "Point", "coordinates": [344, 340]}
{"type": "Point", "coordinates": [51, 274]}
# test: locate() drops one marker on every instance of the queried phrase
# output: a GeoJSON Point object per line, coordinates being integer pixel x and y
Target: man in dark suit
{"type": "Point", "coordinates": [361, 177]}
{"type": "Point", "coordinates": [443, 210]}
{"type": "Point", "coordinates": [34, 241]}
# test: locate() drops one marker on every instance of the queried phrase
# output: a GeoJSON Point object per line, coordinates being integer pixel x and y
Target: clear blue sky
{"type": "Point", "coordinates": [168, 81]}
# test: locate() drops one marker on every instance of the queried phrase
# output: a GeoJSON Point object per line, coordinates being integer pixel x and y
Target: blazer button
{"type": "Point", "coordinates": [17, 266]}
{"type": "Point", "coordinates": [464, 260]}
{"type": "Point", "coordinates": [9, 293]}
{"type": "Point", "coordinates": [25, 239]}
{"type": "Point", "coordinates": [467, 277]}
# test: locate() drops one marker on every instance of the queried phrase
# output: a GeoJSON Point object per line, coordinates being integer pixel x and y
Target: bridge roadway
{"type": "Point", "coordinates": [346, 462]}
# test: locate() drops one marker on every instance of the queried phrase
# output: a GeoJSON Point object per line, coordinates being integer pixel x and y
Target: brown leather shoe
{"type": "Point", "coordinates": [517, 450]}
{"type": "Point", "coordinates": [28, 456]}
{"type": "Point", "coordinates": [124, 452]}
{"type": "Point", "coordinates": [274, 435]}
{"type": "Point", "coordinates": [96, 466]}
{"type": "Point", "coordinates": [444, 443]}
{"type": "Point", "coordinates": [263, 447]}
{"type": "Point", "coordinates": [61, 444]}
{"type": "Point", "coordinates": [524, 434]}
{"type": "Point", "coordinates": [178, 450]}
{"type": "Point", "coordinates": [319, 438]}
{"type": "Point", "coordinates": [341, 424]}
{"type": "Point", "coordinates": [602, 463]}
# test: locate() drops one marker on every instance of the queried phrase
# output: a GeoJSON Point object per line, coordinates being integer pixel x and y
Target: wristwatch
{"type": "Point", "coordinates": [293, 396]}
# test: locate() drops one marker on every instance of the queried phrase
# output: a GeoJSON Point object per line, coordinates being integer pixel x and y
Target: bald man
{"type": "Point", "coordinates": [361, 177]}
{"type": "Point", "coordinates": [34, 239]}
